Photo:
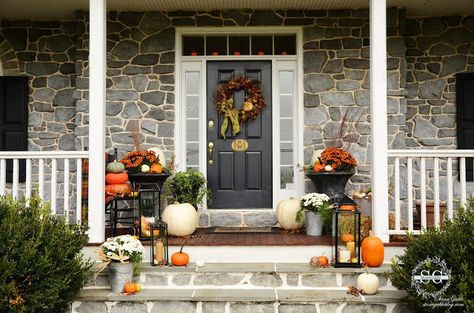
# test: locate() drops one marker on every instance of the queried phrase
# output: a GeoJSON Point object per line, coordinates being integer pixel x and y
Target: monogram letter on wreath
{"type": "Point", "coordinates": [251, 108]}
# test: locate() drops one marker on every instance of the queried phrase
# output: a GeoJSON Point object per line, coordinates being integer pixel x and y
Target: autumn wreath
{"type": "Point", "coordinates": [251, 108]}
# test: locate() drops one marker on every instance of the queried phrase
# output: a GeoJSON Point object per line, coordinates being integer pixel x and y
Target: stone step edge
{"type": "Point", "coordinates": [242, 295]}
{"type": "Point", "coordinates": [269, 268]}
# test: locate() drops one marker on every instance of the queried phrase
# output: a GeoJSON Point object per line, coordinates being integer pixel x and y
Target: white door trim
{"type": "Point", "coordinates": [279, 62]}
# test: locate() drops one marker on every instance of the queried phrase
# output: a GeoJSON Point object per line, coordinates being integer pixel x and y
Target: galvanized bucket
{"type": "Point", "coordinates": [313, 223]}
{"type": "Point", "coordinates": [119, 274]}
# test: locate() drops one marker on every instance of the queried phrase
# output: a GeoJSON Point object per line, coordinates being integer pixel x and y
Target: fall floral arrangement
{"type": "Point", "coordinates": [143, 161]}
{"type": "Point", "coordinates": [123, 249]}
{"type": "Point", "coordinates": [334, 159]}
{"type": "Point", "coordinates": [317, 203]}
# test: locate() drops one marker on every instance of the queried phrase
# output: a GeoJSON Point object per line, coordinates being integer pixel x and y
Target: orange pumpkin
{"type": "Point", "coordinates": [130, 288]}
{"type": "Point", "coordinates": [318, 167]}
{"type": "Point", "coordinates": [180, 258]}
{"type": "Point", "coordinates": [118, 189]}
{"type": "Point", "coordinates": [116, 178]}
{"type": "Point", "coordinates": [347, 237]}
{"type": "Point", "coordinates": [156, 168]}
{"type": "Point", "coordinates": [372, 251]}
{"type": "Point", "coordinates": [319, 261]}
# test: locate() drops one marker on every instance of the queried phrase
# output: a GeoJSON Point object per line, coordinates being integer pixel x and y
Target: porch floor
{"type": "Point", "coordinates": [202, 237]}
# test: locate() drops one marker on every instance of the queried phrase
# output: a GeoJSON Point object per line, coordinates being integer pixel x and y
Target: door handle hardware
{"type": "Point", "coordinates": [211, 124]}
{"type": "Point", "coordinates": [211, 152]}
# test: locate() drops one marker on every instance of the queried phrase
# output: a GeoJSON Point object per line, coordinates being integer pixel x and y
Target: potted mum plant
{"type": "Point", "coordinates": [331, 171]}
{"type": "Point", "coordinates": [317, 210]}
{"type": "Point", "coordinates": [120, 255]}
{"type": "Point", "coordinates": [187, 190]}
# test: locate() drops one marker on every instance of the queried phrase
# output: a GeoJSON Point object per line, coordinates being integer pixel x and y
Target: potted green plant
{"type": "Point", "coordinates": [187, 190]}
{"type": "Point", "coordinates": [120, 255]}
{"type": "Point", "coordinates": [317, 211]}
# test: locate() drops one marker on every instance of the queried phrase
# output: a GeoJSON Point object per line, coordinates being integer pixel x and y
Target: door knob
{"type": "Point", "coordinates": [211, 152]}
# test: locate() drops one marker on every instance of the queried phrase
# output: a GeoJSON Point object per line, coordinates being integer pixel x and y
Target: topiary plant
{"type": "Point", "coordinates": [188, 187]}
{"type": "Point", "coordinates": [452, 243]}
{"type": "Point", "coordinates": [41, 266]}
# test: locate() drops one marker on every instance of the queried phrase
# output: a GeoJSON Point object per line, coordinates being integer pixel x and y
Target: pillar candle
{"type": "Point", "coordinates": [159, 252]}
{"type": "Point", "coordinates": [344, 256]}
{"type": "Point", "coordinates": [351, 246]}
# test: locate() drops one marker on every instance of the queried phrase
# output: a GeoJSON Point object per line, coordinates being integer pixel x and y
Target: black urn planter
{"type": "Point", "coordinates": [332, 184]}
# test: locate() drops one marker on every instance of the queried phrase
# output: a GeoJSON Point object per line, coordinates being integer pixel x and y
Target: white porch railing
{"type": "Point", "coordinates": [428, 175]}
{"type": "Point", "coordinates": [42, 173]}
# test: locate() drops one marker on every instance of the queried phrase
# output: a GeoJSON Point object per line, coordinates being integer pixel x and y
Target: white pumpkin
{"type": "Point", "coordinates": [145, 168]}
{"type": "Point", "coordinates": [182, 219]}
{"type": "Point", "coordinates": [286, 214]}
{"type": "Point", "coordinates": [368, 282]}
{"type": "Point", "coordinates": [160, 154]}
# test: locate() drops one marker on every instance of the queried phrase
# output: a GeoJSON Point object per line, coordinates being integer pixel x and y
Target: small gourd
{"type": "Point", "coordinates": [318, 167]}
{"type": "Point", "coordinates": [115, 167]}
{"type": "Point", "coordinates": [328, 168]}
{"type": "Point", "coordinates": [180, 258]}
{"type": "Point", "coordinates": [156, 168]}
{"type": "Point", "coordinates": [347, 237]}
{"type": "Point", "coordinates": [145, 168]}
{"type": "Point", "coordinates": [372, 251]}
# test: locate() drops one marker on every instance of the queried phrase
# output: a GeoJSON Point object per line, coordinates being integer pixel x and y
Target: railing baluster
{"type": "Point", "coordinates": [16, 177]}
{"type": "Point", "coordinates": [3, 176]}
{"type": "Point", "coordinates": [78, 190]}
{"type": "Point", "coordinates": [436, 191]}
{"type": "Point", "coordinates": [410, 193]}
{"type": "Point", "coordinates": [462, 169]}
{"type": "Point", "coordinates": [450, 187]}
{"type": "Point", "coordinates": [397, 193]}
{"type": "Point", "coordinates": [66, 189]}
{"type": "Point", "coordinates": [54, 185]}
{"type": "Point", "coordinates": [423, 192]}
{"type": "Point", "coordinates": [28, 179]}
{"type": "Point", "coordinates": [41, 178]}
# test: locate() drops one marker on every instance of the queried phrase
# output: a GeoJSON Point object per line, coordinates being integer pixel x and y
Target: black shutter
{"type": "Point", "coordinates": [14, 119]}
{"type": "Point", "coordinates": [465, 116]}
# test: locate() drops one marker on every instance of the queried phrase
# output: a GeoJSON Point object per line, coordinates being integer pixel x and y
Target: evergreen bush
{"type": "Point", "coordinates": [454, 244]}
{"type": "Point", "coordinates": [41, 266]}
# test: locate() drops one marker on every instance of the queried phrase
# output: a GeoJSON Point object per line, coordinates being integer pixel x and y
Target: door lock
{"type": "Point", "coordinates": [211, 152]}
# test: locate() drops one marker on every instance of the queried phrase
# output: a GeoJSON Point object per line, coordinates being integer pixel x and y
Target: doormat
{"type": "Point", "coordinates": [243, 230]}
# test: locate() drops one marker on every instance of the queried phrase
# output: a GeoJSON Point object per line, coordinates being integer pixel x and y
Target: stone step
{"type": "Point", "coordinates": [238, 301]}
{"type": "Point", "coordinates": [278, 276]}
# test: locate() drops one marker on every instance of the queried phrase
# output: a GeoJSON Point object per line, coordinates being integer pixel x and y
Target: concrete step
{"type": "Point", "coordinates": [242, 288]}
{"type": "Point", "coordinates": [278, 276]}
{"type": "Point", "coordinates": [238, 301]}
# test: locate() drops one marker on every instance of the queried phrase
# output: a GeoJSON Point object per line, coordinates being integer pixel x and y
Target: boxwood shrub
{"type": "Point", "coordinates": [41, 266]}
{"type": "Point", "coordinates": [453, 243]}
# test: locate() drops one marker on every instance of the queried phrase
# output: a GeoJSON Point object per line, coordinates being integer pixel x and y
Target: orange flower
{"type": "Point", "coordinates": [339, 159]}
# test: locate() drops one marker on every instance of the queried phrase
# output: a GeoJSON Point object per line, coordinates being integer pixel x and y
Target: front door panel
{"type": "Point", "coordinates": [240, 179]}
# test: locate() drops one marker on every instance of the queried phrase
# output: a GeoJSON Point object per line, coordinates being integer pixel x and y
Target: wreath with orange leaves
{"type": "Point", "coordinates": [252, 107]}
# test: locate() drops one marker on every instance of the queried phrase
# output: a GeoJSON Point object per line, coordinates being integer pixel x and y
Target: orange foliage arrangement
{"type": "Point", "coordinates": [134, 160]}
{"type": "Point", "coordinates": [339, 159]}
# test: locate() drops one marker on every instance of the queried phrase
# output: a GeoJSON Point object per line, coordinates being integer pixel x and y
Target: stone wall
{"type": "Point", "coordinates": [437, 49]}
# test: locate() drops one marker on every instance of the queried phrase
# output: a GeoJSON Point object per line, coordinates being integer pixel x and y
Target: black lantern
{"type": "Point", "coordinates": [148, 208]}
{"type": "Point", "coordinates": [346, 234]}
{"type": "Point", "coordinates": [159, 243]}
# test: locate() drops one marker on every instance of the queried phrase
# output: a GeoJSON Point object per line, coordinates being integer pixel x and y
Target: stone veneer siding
{"type": "Point", "coordinates": [437, 49]}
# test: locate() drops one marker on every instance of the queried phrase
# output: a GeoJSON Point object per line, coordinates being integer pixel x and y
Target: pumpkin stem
{"type": "Point", "coordinates": [185, 242]}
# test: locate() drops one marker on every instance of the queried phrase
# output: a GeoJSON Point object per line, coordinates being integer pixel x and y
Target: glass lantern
{"type": "Point", "coordinates": [148, 209]}
{"type": "Point", "coordinates": [159, 243]}
{"type": "Point", "coordinates": [346, 234]}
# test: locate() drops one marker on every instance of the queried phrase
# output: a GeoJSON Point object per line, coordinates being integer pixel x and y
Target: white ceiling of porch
{"type": "Point", "coordinates": [64, 9]}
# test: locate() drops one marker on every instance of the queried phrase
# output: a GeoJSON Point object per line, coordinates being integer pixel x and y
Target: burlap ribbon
{"type": "Point", "coordinates": [230, 114]}
{"type": "Point", "coordinates": [107, 259]}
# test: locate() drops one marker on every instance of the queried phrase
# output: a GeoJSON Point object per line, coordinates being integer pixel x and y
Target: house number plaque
{"type": "Point", "coordinates": [240, 145]}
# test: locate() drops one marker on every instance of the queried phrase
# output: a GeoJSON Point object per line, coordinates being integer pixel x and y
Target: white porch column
{"type": "Point", "coordinates": [378, 113]}
{"type": "Point", "coordinates": [97, 74]}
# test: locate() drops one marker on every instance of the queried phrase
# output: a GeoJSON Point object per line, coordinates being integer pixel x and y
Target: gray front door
{"type": "Point", "coordinates": [240, 179]}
